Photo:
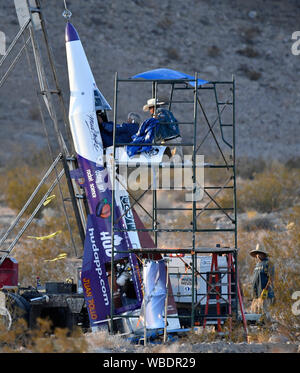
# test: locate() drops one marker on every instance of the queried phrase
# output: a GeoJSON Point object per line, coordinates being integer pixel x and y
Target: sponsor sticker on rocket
{"type": "Point", "coordinates": [103, 209]}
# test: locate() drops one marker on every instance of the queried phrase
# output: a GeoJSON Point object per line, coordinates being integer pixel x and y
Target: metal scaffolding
{"type": "Point", "coordinates": [198, 129]}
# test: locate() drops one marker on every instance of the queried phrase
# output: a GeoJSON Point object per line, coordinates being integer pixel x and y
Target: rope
{"type": "Point", "coordinates": [66, 13]}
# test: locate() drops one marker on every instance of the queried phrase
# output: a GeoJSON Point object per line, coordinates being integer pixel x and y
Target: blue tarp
{"type": "Point", "coordinates": [167, 74]}
{"type": "Point", "coordinates": [124, 132]}
{"type": "Point", "coordinates": [145, 135]}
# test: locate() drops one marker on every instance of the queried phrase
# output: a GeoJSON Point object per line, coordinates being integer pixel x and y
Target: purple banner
{"type": "Point", "coordinates": [96, 266]}
{"type": "Point", "coordinates": [94, 278]}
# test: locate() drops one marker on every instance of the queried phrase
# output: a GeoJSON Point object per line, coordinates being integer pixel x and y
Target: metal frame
{"type": "Point", "coordinates": [44, 61]}
{"type": "Point", "coordinates": [199, 122]}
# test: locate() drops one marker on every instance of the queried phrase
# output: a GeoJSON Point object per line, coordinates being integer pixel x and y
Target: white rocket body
{"type": "Point", "coordinates": [85, 99]}
{"type": "Point", "coordinates": [84, 96]}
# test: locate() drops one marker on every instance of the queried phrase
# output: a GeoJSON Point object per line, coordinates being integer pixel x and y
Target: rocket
{"type": "Point", "coordinates": [94, 177]}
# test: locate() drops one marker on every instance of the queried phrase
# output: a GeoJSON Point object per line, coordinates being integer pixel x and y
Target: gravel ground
{"type": "Point", "coordinates": [101, 342]}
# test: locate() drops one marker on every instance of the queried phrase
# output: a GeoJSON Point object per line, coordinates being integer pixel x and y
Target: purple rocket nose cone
{"type": "Point", "coordinates": [71, 33]}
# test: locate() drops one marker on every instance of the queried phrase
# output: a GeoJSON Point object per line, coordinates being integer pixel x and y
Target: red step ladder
{"type": "Point", "coordinates": [214, 284]}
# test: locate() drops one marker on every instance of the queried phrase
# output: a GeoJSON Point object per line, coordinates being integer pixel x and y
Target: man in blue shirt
{"type": "Point", "coordinates": [262, 281]}
{"type": "Point", "coordinates": [124, 131]}
{"type": "Point", "coordinates": [168, 130]}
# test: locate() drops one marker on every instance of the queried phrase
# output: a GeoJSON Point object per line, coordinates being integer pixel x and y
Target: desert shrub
{"type": "Point", "coordinates": [247, 167]}
{"type": "Point", "coordinates": [200, 335]}
{"type": "Point", "coordinates": [41, 339]}
{"type": "Point", "coordinates": [20, 178]}
{"type": "Point", "coordinates": [253, 75]}
{"type": "Point", "coordinates": [213, 51]}
{"type": "Point", "coordinates": [262, 194]}
{"type": "Point", "coordinates": [269, 190]}
{"type": "Point", "coordinates": [285, 284]}
{"type": "Point", "coordinates": [21, 182]}
{"type": "Point", "coordinates": [165, 23]}
{"type": "Point", "coordinates": [225, 198]}
{"type": "Point", "coordinates": [261, 222]}
{"type": "Point", "coordinates": [248, 52]}
{"type": "Point", "coordinates": [172, 53]}
{"type": "Point", "coordinates": [293, 162]}
{"type": "Point", "coordinates": [290, 180]}
{"type": "Point", "coordinates": [38, 160]}
{"type": "Point", "coordinates": [250, 33]}
{"type": "Point", "coordinates": [260, 334]}
{"type": "Point", "coordinates": [249, 72]}
{"type": "Point", "coordinates": [34, 261]}
{"type": "Point", "coordinates": [34, 113]}
{"type": "Point", "coordinates": [215, 176]}
{"type": "Point", "coordinates": [35, 256]}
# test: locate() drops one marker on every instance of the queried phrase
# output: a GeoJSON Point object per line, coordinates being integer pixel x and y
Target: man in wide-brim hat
{"type": "Point", "coordinates": [258, 251]}
{"type": "Point", "coordinates": [151, 105]}
{"type": "Point", "coordinates": [167, 131]}
{"type": "Point", "coordinates": [262, 283]}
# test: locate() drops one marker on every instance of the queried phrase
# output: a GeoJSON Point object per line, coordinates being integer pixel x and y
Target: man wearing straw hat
{"type": "Point", "coordinates": [262, 283]}
{"type": "Point", "coordinates": [168, 129]}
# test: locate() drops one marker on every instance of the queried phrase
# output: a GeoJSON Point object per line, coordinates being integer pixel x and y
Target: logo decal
{"type": "Point", "coordinates": [152, 152]}
{"type": "Point", "coordinates": [103, 209]}
{"type": "Point", "coordinates": [129, 219]}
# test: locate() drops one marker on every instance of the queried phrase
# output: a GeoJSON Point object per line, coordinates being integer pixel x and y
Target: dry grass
{"type": "Point", "coordinates": [262, 194]}
{"type": "Point", "coordinates": [257, 223]}
{"type": "Point", "coordinates": [270, 190]}
{"type": "Point", "coordinates": [41, 339]}
{"type": "Point", "coordinates": [102, 340]}
{"type": "Point", "coordinates": [20, 183]}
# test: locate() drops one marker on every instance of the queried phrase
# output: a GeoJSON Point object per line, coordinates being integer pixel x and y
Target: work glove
{"type": "Point", "coordinates": [264, 294]}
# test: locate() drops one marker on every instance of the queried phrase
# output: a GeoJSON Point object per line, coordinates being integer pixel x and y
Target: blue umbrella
{"type": "Point", "coordinates": [168, 74]}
